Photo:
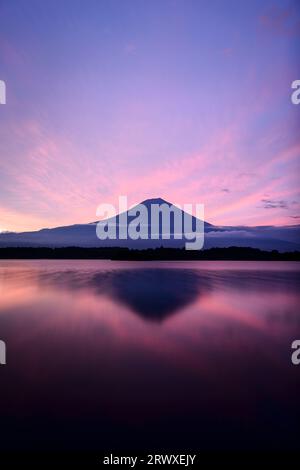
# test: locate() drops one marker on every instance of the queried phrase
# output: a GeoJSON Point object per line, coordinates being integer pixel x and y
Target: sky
{"type": "Point", "coordinates": [180, 99]}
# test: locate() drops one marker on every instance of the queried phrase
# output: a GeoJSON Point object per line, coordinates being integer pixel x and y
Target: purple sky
{"type": "Point", "coordinates": [180, 99]}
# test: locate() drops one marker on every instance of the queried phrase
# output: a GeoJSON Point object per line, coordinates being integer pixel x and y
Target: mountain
{"type": "Point", "coordinates": [84, 235]}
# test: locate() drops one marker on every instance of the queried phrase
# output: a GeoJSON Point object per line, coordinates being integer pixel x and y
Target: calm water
{"type": "Point", "coordinates": [122, 355]}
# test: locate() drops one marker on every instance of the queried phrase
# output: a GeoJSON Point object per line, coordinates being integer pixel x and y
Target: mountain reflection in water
{"type": "Point", "coordinates": [154, 294]}
{"type": "Point", "coordinates": [108, 355]}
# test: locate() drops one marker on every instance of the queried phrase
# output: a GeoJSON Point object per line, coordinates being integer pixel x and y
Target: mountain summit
{"type": "Point", "coordinates": [157, 200]}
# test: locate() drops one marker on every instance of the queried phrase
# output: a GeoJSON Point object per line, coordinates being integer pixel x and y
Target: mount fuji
{"type": "Point", "coordinates": [285, 238]}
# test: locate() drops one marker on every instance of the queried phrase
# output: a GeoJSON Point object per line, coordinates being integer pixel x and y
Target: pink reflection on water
{"type": "Point", "coordinates": [81, 343]}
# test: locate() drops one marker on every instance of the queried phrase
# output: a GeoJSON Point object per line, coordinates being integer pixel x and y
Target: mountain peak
{"type": "Point", "coordinates": [157, 200]}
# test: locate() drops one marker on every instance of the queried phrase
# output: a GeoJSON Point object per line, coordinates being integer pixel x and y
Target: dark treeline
{"type": "Point", "coordinates": [231, 253]}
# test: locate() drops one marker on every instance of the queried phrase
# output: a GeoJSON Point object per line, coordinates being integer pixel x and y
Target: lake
{"type": "Point", "coordinates": [107, 355]}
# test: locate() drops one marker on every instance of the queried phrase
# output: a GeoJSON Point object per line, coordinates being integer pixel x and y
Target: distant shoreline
{"type": "Point", "coordinates": [164, 254]}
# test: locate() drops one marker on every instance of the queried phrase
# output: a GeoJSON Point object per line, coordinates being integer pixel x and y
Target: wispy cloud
{"type": "Point", "coordinates": [273, 204]}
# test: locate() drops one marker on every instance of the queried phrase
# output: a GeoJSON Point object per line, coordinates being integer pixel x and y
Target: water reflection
{"type": "Point", "coordinates": [154, 294]}
{"type": "Point", "coordinates": [157, 293]}
{"type": "Point", "coordinates": [149, 355]}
